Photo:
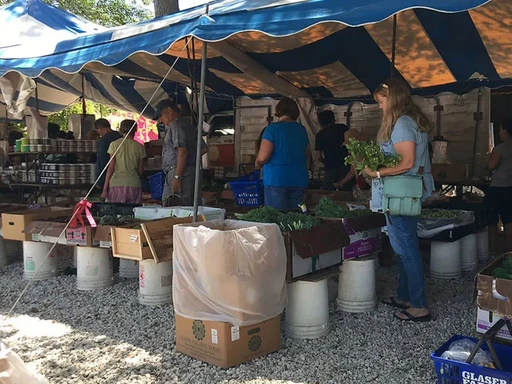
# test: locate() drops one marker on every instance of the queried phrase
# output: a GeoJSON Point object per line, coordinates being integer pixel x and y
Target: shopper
{"type": "Point", "coordinates": [178, 154]}
{"type": "Point", "coordinates": [404, 132]}
{"type": "Point", "coordinates": [498, 197]}
{"type": "Point", "coordinates": [283, 156]}
{"type": "Point", "coordinates": [331, 151]}
{"type": "Point", "coordinates": [107, 137]}
{"type": "Point", "coordinates": [122, 182]}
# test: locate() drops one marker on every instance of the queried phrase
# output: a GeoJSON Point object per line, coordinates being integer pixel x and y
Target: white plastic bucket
{"type": "Point", "coordinates": [128, 269]}
{"type": "Point", "coordinates": [36, 266]}
{"type": "Point", "coordinates": [307, 312]}
{"type": "Point", "coordinates": [94, 268]}
{"type": "Point", "coordinates": [482, 243]}
{"type": "Point", "coordinates": [75, 252]}
{"type": "Point", "coordinates": [468, 253]}
{"type": "Point", "coordinates": [155, 282]}
{"type": "Point", "coordinates": [445, 260]}
{"type": "Point", "coordinates": [4, 259]}
{"type": "Point", "coordinates": [357, 288]}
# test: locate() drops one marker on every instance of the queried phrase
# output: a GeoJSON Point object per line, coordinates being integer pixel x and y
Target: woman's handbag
{"type": "Point", "coordinates": [401, 195]}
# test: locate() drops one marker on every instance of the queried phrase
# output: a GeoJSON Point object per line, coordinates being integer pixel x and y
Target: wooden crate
{"type": "Point", "coordinates": [154, 239]}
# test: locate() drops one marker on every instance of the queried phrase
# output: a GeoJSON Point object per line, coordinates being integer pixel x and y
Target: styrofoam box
{"type": "Point", "coordinates": [158, 212]}
{"type": "Point", "coordinates": [209, 213]}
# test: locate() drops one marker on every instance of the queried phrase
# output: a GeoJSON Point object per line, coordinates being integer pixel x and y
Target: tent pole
{"type": "Point", "coordinates": [200, 119]}
{"type": "Point", "coordinates": [393, 48]}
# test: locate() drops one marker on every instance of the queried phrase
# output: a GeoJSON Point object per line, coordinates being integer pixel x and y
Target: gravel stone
{"type": "Point", "coordinates": [105, 336]}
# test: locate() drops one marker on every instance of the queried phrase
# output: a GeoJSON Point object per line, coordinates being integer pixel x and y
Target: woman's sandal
{"type": "Point", "coordinates": [393, 303]}
{"type": "Point", "coordinates": [419, 319]}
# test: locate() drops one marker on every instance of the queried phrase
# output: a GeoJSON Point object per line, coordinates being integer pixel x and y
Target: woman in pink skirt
{"type": "Point", "coordinates": [122, 182]}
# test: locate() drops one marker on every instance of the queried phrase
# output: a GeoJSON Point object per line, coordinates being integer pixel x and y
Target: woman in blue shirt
{"type": "Point", "coordinates": [283, 156]}
{"type": "Point", "coordinates": [404, 132]}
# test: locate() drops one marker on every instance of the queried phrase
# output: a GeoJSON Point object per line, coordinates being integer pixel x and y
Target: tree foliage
{"type": "Point", "coordinates": [92, 108]}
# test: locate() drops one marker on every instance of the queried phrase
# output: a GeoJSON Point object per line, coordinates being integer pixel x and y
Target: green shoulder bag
{"type": "Point", "coordinates": [401, 195]}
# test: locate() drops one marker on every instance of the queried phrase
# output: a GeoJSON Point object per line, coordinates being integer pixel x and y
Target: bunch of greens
{"type": "Point", "coordinates": [114, 220]}
{"type": "Point", "coordinates": [364, 154]}
{"type": "Point", "coordinates": [505, 271]}
{"type": "Point", "coordinates": [290, 221]}
{"type": "Point", "coordinates": [329, 209]}
{"type": "Point", "coordinates": [439, 214]}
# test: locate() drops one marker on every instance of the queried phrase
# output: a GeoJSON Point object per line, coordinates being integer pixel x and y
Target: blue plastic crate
{"type": "Point", "coordinates": [455, 372]}
{"type": "Point", "coordinates": [248, 190]}
{"type": "Point", "coordinates": [156, 185]}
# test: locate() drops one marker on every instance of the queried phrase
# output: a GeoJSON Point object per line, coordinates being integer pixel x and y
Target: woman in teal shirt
{"type": "Point", "coordinates": [283, 155]}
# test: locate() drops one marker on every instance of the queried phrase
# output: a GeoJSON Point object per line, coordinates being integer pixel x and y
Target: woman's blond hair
{"type": "Point", "coordinates": [399, 103]}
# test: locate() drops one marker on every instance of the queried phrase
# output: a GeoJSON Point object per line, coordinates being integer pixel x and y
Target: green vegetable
{"type": "Point", "coordinates": [114, 220]}
{"type": "Point", "coordinates": [364, 154]}
{"type": "Point", "coordinates": [291, 221]}
{"type": "Point", "coordinates": [501, 273]}
{"type": "Point", "coordinates": [329, 209]}
{"type": "Point", "coordinates": [507, 264]}
{"type": "Point", "coordinates": [439, 214]}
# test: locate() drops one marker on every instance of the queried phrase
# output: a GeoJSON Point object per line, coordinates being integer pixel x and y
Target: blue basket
{"type": "Point", "coordinates": [156, 185]}
{"type": "Point", "coordinates": [248, 190]}
{"type": "Point", "coordinates": [455, 372]}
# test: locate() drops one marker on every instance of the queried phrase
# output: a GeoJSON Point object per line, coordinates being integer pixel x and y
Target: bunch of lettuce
{"type": "Point", "coordinates": [364, 154]}
{"type": "Point", "coordinates": [505, 271]}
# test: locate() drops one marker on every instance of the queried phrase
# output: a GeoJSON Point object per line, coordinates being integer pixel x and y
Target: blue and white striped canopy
{"type": "Point", "coordinates": [330, 49]}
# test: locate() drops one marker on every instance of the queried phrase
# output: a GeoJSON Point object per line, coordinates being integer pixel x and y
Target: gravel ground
{"type": "Point", "coordinates": [107, 337]}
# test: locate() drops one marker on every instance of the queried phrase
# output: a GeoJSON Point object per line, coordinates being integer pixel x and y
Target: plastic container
{"type": "Point", "coordinates": [128, 269]}
{"type": "Point", "coordinates": [36, 264]}
{"type": "Point", "coordinates": [94, 268]}
{"type": "Point", "coordinates": [307, 312]}
{"type": "Point", "coordinates": [445, 260]}
{"type": "Point", "coordinates": [468, 253]}
{"type": "Point", "coordinates": [156, 185]}
{"type": "Point", "coordinates": [456, 372]}
{"type": "Point", "coordinates": [155, 212]}
{"type": "Point", "coordinates": [155, 282]}
{"type": "Point", "coordinates": [482, 243]}
{"type": "Point", "coordinates": [248, 190]}
{"type": "Point", "coordinates": [356, 286]}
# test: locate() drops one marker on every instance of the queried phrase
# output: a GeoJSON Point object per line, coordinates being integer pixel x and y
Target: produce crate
{"type": "Point", "coordinates": [456, 372]}
{"type": "Point", "coordinates": [156, 185]}
{"type": "Point", "coordinates": [248, 190]}
{"type": "Point", "coordinates": [146, 240]}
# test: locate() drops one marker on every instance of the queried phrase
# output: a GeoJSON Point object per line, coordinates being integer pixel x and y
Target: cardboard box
{"type": "Point", "coordinates": [102, 236]}
{"type": "Point", "coordinates": [310, 244]}
{"type": "Point", "coordinates": [153, 240]}
{"type": "Point", "coordinates": [491, 294]}
{"type": "Point", "coordinates": [83, 236]}
{"type": "Point", "coordinates": [225, 345]}
{"type": "Point", "coordinates": [14, 223]}
{"type": "Point", "coordinates": [450, 172]}
{"type": "Point", "coordinates": [52, 233]}
{"type": "Point", "coordinates": [35, 228]}
{"type": "Point", "coordinates": [485, 320]}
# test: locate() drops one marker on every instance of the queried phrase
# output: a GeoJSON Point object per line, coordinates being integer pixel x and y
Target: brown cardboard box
{"type": "Point", "coordinates": [102, 236]}
{"type": "Point", "coordinates": [35, 229]}
{"type": "Point", "coordinates": [450, 172]}
{"type": "Point", "coordinates": [83, 236]}
{"type": "Point", "coordinates": [152, 241]}
{"type": "Point", "coordinates": [484, 290]}
{"type": "Point", "coordinates": [51, 233]}
{"type": "Point", "coordinates": [14, 223]}
{"type": "Point", "coordinates": [225, 345]}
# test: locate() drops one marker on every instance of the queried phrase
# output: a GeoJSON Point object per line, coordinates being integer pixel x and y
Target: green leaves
{"type": "Point", "coordinates": [440, 214]}
{"type": "Point", "coordinates": [329, 209]}
{"type": "Point", "coordinates": [505, 271]}
{"type": "Point", "coordinates": [291, 221]}
{"type": "Point", "coordinates": [363, 154]}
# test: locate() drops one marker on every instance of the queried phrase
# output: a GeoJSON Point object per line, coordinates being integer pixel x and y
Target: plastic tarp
{"type": "Point", "coordinates": [14, 371]}
{"type": "Point", "coordinates": [428, 228]}
{"type": "Point", "coordinates": [229, 271]}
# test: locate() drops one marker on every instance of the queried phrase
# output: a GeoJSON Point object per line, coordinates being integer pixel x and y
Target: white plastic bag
{"type": "Point", "coordinates": [460, 350]}
{"type": "Point", "coordinates": [229, 271]}
{"type": "Point", "coordinates": [14, 371]}
{"type": "Point", "coordinates": [428, 228]}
